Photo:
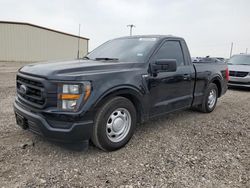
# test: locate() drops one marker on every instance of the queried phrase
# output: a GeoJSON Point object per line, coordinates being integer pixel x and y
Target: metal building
{"type": "Point", "coordinates": [27, 42]}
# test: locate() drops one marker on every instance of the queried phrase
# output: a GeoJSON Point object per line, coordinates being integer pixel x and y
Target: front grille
{"type": "Point", "coordinates": [31, 91]}
{"type": "Point", "coordinates": [238, 73]}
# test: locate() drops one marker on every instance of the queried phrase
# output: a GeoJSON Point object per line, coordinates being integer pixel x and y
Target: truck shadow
{"type": "Point", "coordinates": [165, 122]}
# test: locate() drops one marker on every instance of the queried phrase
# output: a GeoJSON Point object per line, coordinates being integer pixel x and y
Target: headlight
{"type": "Point", "coordinates": [73, 89]}
{"type": "Point", "coordinates": [71, 96]}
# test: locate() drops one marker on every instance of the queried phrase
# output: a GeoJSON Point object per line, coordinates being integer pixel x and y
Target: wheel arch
{"type": "Point", "coordinates": [217, 81]}
{"type": "Point", "coordinates": [131, 93]}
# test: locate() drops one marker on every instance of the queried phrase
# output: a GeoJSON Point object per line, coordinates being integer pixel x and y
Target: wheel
{"type": "Point", "coordinates": [114, 124]}
{"type": "Point", "coordinates": [210, 99]}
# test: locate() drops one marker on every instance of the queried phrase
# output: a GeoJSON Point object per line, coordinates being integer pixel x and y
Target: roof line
{"type": "Point", "coordinates": [41, 27]}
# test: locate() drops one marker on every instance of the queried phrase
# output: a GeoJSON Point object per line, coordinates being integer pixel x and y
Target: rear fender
{"type": "Point", "coordinates": [218, 81]}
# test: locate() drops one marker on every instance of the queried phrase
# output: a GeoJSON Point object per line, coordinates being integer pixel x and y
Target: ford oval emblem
{"type": "Point", "coordinates": [23, 89]}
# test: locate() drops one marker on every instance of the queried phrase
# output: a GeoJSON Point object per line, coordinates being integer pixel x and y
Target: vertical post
{"type": "Point", "coordinates": [79, 32]}
{"type": "Point", "coordinates": [246, 50]}
{"type": "Point", "coordinates": [231, 51]}
{"type": "Point", "coordinates": [130, 28]}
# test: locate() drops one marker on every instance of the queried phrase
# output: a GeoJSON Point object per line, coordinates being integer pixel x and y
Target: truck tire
{"type": "Point", "coordinates": [210, 99]}
{"type": "Point", "coordinates": [114, 124]}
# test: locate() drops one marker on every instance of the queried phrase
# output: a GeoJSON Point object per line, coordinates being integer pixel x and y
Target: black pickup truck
{"type": "Point", "coordinates": [121, 83]}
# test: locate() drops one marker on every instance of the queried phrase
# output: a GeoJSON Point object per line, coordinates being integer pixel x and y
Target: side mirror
{"type": "Point", "coordinates": [164, 65]}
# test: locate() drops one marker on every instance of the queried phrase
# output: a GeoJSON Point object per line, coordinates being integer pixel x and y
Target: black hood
{"type": "Point", "coordinates": [71, 70]}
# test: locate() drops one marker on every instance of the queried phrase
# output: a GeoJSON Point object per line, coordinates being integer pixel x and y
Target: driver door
{"type": "Point", "coordinates": [170, 91]}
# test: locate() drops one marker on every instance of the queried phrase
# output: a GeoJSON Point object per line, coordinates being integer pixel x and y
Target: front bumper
{"type": "Point", "coordinates": [239, 82]}
{"type": "Point", "coordinates": [78, 132]}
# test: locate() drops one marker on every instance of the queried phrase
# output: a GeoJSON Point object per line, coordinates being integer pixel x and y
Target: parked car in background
{"type": "Point", "coordinates": [239, 70]}
{"type": "Point", "coordinates": [221, 59]}
{"type": "Point", "coordinates": [207, 59]}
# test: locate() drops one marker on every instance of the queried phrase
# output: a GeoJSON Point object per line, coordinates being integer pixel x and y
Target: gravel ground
{"type": "Point", "coordinates": [183, 149]}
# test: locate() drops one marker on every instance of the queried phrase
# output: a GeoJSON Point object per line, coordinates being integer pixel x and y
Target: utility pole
{"type": "Point", "coordinates": [79, 32]}
{"type": "Point", "coordinates": [246, 50]}
{"type": "Point", "coordinates": [131, 28]}
{"type": "Point", "coordinates": [231, 51]}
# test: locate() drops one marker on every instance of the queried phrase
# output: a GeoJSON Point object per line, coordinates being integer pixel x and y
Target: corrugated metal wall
{"type": "Point", "coordinates": [20, 42]}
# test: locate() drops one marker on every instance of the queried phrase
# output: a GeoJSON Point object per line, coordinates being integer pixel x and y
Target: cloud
{"type": "Point", "coordinates": [208, 26]}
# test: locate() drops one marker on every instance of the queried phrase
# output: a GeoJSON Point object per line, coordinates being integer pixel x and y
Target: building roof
{"type": "Point", "coordinates": [40, 27]}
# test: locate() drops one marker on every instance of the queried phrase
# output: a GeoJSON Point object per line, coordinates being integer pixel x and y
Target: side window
{"type": "Point", "coordinates": [171, 50]}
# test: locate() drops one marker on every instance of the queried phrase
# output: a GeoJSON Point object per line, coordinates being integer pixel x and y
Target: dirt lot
{"type": "Point", "coordinates": [183, 149]}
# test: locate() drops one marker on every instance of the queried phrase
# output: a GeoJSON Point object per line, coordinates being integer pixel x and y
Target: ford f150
{"type": "Point", "coordinates": [121, 83]}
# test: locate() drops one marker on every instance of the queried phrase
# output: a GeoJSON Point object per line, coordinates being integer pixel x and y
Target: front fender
{"type": "Point", "coordinates": [134, 94]}
{"type": "Point", "coordinates": [119, 90]}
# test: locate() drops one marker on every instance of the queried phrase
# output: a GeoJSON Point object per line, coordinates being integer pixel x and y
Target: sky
{"type": "Point", "coordinates": [208, 26]}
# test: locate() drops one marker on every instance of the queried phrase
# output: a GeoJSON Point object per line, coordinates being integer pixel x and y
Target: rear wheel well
{"type": "Point", "coordinates": [218, 84]}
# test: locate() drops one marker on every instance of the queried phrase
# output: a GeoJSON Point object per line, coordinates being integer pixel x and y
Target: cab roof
{"type": "Point", "coordinates": [152, 36]}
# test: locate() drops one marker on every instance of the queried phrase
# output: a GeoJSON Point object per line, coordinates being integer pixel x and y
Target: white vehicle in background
{"type": "Point", "coordinates": [239, 70]}
{"type": "Point", "coordinates": [208, 59]}
{"type": "Point", "coordinates": [221, 59]}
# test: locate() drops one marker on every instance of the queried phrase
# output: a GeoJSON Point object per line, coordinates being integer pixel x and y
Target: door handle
{"type": "Point", "coordinates": [186, 77]}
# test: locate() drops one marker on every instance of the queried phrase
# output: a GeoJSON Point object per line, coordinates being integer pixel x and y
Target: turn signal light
{"type": "Point", "coordinates": [69, 96]}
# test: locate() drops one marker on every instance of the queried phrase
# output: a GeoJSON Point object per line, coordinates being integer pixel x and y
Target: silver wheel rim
{"type": "Point", "coordinates": [212, 98]}
{"type": "Point", "coordinates": [118, 125]}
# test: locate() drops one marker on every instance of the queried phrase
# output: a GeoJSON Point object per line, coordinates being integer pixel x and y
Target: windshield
{"type": "Point", "coordinates": [124, 49]}
{"type": "Point", "coordinates": [239, 60]}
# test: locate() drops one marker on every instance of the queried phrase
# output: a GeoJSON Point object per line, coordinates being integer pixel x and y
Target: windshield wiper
{"type": "Point", "coordinates": [106, 59]}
